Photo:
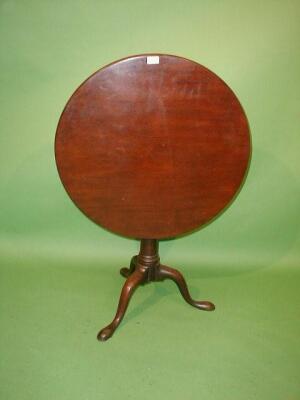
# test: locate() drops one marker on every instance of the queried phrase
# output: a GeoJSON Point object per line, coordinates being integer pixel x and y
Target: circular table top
{"type": "Point", "coordinates": [152, 146]}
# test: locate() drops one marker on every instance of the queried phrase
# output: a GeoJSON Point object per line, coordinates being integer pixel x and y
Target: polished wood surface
{"type": "Point", "coordinates": [145, 268]}
{"type": "Point", "coordinates": [152, 150]}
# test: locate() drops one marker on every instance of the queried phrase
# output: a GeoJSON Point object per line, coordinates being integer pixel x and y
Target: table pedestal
{"type": "Point", "coordinates": [144, 268]}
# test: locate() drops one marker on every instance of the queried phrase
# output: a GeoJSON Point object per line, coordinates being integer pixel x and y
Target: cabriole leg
{"type": "Point", "coordinates": [131, 283]}
{"type": "Point", "coordinates": [128, 271]}
{"type": "Point", "coordinates": [171, 273]}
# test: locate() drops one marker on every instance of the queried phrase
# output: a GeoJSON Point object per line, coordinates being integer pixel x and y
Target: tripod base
{"type": "Point", "coordinates": [144, 268]}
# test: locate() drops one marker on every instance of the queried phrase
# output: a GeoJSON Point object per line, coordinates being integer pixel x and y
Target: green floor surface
{"type": "Point", "coordinates": [51, 312]}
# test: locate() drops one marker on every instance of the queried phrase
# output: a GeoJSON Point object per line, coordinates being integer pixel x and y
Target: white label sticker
{"type": "Point", "coordinates": [152, 59]}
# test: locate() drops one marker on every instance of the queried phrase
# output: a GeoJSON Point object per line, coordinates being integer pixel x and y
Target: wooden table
{"type": "Point", "coordinates": [152, 146]}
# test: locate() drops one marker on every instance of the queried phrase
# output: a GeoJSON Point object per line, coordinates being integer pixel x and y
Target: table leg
{"type": "Point", "coordinates": [131, 283]}
{"type": "Point", "coordinates": [128, 271]}
{"type": "Point", "coordinates": [171, 273]}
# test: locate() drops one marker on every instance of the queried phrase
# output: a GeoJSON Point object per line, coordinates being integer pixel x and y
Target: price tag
{"type": "Point", "coordinates": [152, 59]}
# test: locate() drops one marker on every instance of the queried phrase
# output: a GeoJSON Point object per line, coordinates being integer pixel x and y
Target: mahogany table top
{"type": "Point", "coordinates": [152, 147]}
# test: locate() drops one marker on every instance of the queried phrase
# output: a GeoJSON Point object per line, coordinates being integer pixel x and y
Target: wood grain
{"type": "Point", "coordinates": [152, 151]}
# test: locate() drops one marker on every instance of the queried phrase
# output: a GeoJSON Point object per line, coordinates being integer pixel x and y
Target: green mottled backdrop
{"type": "Point", "coordinates": [59, 271]}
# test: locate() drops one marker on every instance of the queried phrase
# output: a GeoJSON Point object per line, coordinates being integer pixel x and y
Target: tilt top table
{"type": "Point", "coordinates": [151, 147]}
